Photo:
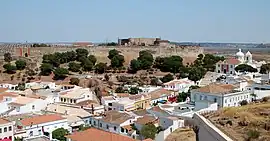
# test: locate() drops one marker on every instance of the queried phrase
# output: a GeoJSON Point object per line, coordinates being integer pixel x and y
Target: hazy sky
{"type": "Point", "coordinates": [101, 20]}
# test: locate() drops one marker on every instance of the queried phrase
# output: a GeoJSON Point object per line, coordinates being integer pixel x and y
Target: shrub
{"type": "Point", "coordinates": [244, 102]}
{"type": "Point", "coordinates": [253, 134]}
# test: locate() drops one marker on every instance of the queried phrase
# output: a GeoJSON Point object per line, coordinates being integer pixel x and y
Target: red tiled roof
{"type": "Point", "coordinates": [3, 121]}
{"type": "Point", "coordinates": [232, 61]}
{"type": "Point", "coordinates": [41, 119]}
{"type": "Point", "coordinates": [93, 134]}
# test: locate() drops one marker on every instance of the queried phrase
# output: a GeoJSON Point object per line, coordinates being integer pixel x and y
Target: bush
{"type": "Point", "coordinates": [265, 99]}
{"type": "Point", "coordinates": [20, 64]}
{"type": "Point", "coordinates": [74, 67]}
{"type": "Point", "coordinates": [244, 102]}
{"type": "Point", "coordinates": [253, 134]}
{"type": "Point", "coordinates": [10, 69]}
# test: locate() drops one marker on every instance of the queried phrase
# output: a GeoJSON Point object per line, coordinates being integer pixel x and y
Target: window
{"type": "Point", "coordinates": [39, 132]}
{"type": "Point", "coordinates": [90, 122]}
{"type": "Point", "coordinates": [107, 126]}
{"type": "Point", "coordinates": [231, 66]}
{"type": "Point", "coordinates": [0, 130]}
{"type": "Point", "coordinates": [122, 129]}
{"type": "Point", "coordinates": [114, 128]}
{"type": "Point", "coordinates": [33, 107]}
{"type": "Point", "coordinates": [64, 100]}
{"type": "Point", "coordinates": [225, 100]}
{"type": "Point", "coordinates": [9, 128]}
{"type": "Point", "coordinates": [10, 137]}
{"type": "Point", "coordinates": [74, 101]}
{"type": "Point", "coordinates": [18, 109]}
{"type": "Point", "coordinates": [215, 99]}
{"type": "Point", "coordinates": [218, 65]}
{"type": "Point", "coordinates": [95, 123]}
{"type": "Point", "coordinates": [31, 133]}
{"type": "Point", "coordinates": [100, 124]}
{"type": "Point", "coordinates": [110, 104]}
{"type": "Point", "coordinates": [5, 129]}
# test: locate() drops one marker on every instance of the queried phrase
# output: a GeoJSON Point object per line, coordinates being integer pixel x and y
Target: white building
{"type": "Point", "coordinates": [228, 66]}
{"type": "Point", "coordinates": [161, 95]}
{"type": "Point", "coordinates": [6, 130]}
{"type": "Point", "coordinates": [44, 85]}
{"type": "Point", "coordinates": [113, 121]}
{"type": "Point", "coordinates": [9, 86]}
{"type": "Point", "coordinates": [40, 125]}
{"type": "Point", "coordinates": [180, 85]}
{"type": "Point", "coordinates": [76, 95]}
{"type": "Point", "coordinates": [226, 95]}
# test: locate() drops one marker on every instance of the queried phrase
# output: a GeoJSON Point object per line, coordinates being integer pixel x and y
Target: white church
{"type": "Point", "coordinates": [228, 66]}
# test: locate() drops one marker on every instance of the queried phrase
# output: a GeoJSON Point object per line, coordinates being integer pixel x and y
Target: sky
{"type": "Point", "coordinates": [240, 21]}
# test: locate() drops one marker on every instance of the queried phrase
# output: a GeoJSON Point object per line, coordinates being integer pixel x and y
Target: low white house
{"type": "Point", "coordinates": [6, 130]}
{"type": "Point", "coordinates": [9, 86]}
{"type": "Point", "coordinates": [113, 121]}
{"type": "Point", "coordinates": [226, 95]}
{"type": "Point", "coordinates": [180, 85]}
{"type": "Point", "coordinates": [161, 95]}
{"type": "Point", "coordinates": [76, 95]}
{"type": "Point", "coordinates": [260, 91]}
{"type": "Point", "coordinates": [40, 125]}
{"type": "Point", "coordinates": [21, 105]}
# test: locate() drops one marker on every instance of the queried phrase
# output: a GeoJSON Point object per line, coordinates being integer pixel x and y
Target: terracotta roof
{"type": "Point", "coordinates": [145, 119]}
{"type": "Point", "coordinates": [115, 117]}
{"type": "Point", "coordinates": [7, 94]}
{"type": "Point", "coordinates": [122, 94]}
{"type": "Point", "coordinates": [93, 134]}
{"type": "Point", "coordinates": [138, 96]}
{"type": "Point", "coordinates": [232, 61]}
{"type": "Point", "coordinates": [3, 121]}
{"type": "Point", "coordinates": [148, 139]}
{"type": "Point", "coordinates": [3, 89]}
{"type": "Point", "coordinates": [141, 112]}
{"type": "Point", "coordinates": [21, 100]}
{"type": "Point", "coordinates": [41, 119]}
{"type": "Point", "coordinates": [87, 103]}
{"type": "Point", "coordinates": [160, 93]}
{"type": "Point", "coordinates": [217, 88]}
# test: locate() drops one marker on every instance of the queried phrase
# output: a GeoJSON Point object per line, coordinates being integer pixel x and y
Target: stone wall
{"type": "Point", "coordinates": [129, 52]}
{"type": "Point", "coordinates": [207, 131]}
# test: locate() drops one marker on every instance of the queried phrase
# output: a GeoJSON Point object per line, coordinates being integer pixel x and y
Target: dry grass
{"type": "Point", "coordinates": [182, 134]}
{"type": "Point", "coordinates": [238, 121]}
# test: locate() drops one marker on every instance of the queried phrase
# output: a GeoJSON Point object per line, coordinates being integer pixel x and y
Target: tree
{"type": "Point", "coordinates": [21, 87]}
{"type": "Point", "coordinates": [134, 66]}
{"type": "Point", "coordinates": [117, 61]}
{"type": "Point", "coordinates": [93, 59]}
{"type": "Point", "coordinates": [146, 58]}
{"type": "Point", "coordinates": [172, 64]}
{"type": "Point", "coordinates": [60, 134]}
{"type": "Point", "coordinates": [113, 53]}
{"type": "Point", "coordinates": [10, 69]}
{"type": "Point", "coordinates": [167, 78]}
{"type": "Point", "coordinates": [100, 68]}
{"type": "Point", "coordinates": [87, 65]}
{"type": "Point", "coordinates": [149, 131]}
{"type": "Point", "coordinates": [245, 68]}
{"type": "Point", "coordinates": [71, 55]}
{"type": "Point", "coordinates": [81, 53]}
{"type": "Point", "coordinates": [182, 96]}
{"type": "Point", "coordinates": [265, 68]}
{"type": "Point", "coordinates": [74, 67]}
{"type": "Point", "coordinates": [60, 73]}
{"type": "Point", "coordinates": [119, 90]}
{"type": "Point", "coordinates": [7, 57]}
{"type": "Point", "coordinates": [20, 64]}
{"type": "Point", "coordinates": [46, 69]}
{"type": "Point", "coordinates": [159, 61]}
{"type": "Point", "coordinates": [74, 81]}
{"type": "Point", "coordinates": [134, 90]}
{"type": "Point", "coordinates": [196, 73]}
{"type": "Point", "coordinates": [243, 102]}
{"type": "Point", "coordinates": [155, 82]}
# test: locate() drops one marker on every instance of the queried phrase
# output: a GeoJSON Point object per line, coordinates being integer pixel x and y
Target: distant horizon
{"type": "Point", "coordinates": [230, 21]}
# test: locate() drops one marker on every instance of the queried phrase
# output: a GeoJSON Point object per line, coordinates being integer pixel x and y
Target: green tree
{"type": "Point", "coordinates": [60, 134]}
{"type": "Point", "coordinates": [60, 73]}
{"type": "Point", "coordinates": [80, 52]}
{"type": "Point", "coordinates": [155, 82]}
{"type": "Point", "coordinates": [113, 53]}
{"type": "Point", "coordinates": [51, 59]}
{"type": "Point", "coordinates": [196, 73]}
{"type": "Point", "coordinates": [182, 96]}
{"type": "Point", "coordinates": [100, 68]}
{"type": "Point", "coordinates": [107, 77]}
{"type": "Point", "coordinates": [71, 55]}
{"type": "Point", "coordinates": [46, 69]}
{"type": "Point", "coordinates": [20, 64]}
{"type": "Point", "coordinates": [172, 64]}
{"type": "Point", "coordinates": [146, 59]}
{"type": "Point", "coordinates": [117, 61]}
{"type": "Point", "coordinates": [134, 66]}
{"type": "Point", "coordinates": [245, 68]}
{"type": "Point", "coordinates": [87, 65]}
{"type": "Point", "coordinates": [149, 131]}
{"type": "Point", "coordinates": [134, 90]}
{"type": "Point", "coordinates": [74, 81]}
{"type": "Point", "coordinates": [265, 68]}
{"type": "Point", "coordinates": [119, 90]}
{"type": "Point", "coordinates": [93, 59]}
{"type": "Point", "coordinates": [7, 57]}
{"type": "Point", "coordinates": [10, 69]}
{"type": "Point", "coordinates": [167, 78]}
{"type": "Point", "coordinates": [74, 67]}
